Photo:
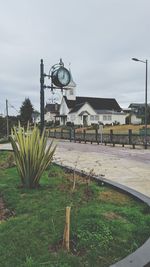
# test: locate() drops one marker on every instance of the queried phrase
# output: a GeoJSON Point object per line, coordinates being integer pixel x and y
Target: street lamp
{"type": "Point", "coordinates": [146, 64]}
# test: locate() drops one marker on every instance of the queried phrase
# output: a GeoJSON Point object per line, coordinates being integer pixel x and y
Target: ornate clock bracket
{"type": "Point", "coordinates": [59, 76]}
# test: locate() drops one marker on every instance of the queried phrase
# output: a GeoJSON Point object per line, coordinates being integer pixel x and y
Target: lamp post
{"type": "Point", "coordinates": [146, 64]}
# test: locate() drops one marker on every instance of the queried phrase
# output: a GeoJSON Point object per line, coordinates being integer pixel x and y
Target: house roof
{"type": "Point", "coordinates": [136, 105]}
{"type": "Point", "coordinates": [76, 108]}
{"type": "Point", "coordinates": [52, 108]}
{"type": "Point", "coordinates": [96, 103]}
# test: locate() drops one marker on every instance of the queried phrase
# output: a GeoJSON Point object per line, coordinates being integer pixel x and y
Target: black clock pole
{"type": "Point", "coordinates": [42, 95]}
{"type": "Point", "coordinates": [59, 83]}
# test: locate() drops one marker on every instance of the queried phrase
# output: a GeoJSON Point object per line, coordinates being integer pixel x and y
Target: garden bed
{"type": "Point", "coordinates": [106, 225]}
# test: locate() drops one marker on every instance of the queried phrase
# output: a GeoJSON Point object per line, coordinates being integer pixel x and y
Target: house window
{"type": "Point", "coordinates": [92, 117]}
{"type": "Point", "coordinates": [96, 117]}
{"type": "Point", "coordinates": [107, 118]}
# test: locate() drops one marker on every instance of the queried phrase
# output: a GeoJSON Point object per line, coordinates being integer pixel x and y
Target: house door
{"type": "Point", "coordinates": [63, 121]}
{"type": "Point", "coordinates": [85, 120]}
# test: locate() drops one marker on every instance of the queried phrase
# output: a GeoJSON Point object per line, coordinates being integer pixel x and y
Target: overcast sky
{"type": "Point", "coordinates": [98, 38]}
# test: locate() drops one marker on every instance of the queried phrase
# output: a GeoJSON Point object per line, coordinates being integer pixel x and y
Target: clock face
{"type": "Point", "coordinates": [63, 76]}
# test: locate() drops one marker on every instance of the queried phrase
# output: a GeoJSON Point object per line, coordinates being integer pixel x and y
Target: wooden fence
{"type": "Point", "coordinates": [97, 137]}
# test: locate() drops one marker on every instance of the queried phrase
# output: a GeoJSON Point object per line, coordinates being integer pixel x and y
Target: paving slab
{"type": "Point", "coordinates": [130, 167]}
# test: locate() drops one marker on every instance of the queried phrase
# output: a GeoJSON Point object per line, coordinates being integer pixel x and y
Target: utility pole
{"type": "Point", "coordinates": [146, 62]}
{"type": "Point", "coordinates": [7, 120]}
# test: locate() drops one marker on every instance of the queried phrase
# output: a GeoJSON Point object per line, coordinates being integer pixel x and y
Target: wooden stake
{"type": "Point", "coordinates": [74, 181]}
{"type": "Point", "coordinates": [66, 237]}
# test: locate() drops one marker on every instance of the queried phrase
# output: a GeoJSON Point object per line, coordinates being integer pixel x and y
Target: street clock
{"type": "Point", "coordinates": [60, 76]}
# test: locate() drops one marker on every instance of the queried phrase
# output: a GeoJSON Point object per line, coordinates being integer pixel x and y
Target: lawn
{"type": "Point", "coordinates": [105, 225]}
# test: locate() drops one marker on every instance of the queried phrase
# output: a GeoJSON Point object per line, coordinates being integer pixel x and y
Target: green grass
{"type": "Point", "coordinates": [105, 225]}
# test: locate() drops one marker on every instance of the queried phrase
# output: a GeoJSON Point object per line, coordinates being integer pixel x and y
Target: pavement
{"type": "Point", "coordinates": [125, 165]}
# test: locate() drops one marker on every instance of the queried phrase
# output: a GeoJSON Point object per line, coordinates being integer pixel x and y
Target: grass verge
{"type": "Point", "coordinates": [105, 225]}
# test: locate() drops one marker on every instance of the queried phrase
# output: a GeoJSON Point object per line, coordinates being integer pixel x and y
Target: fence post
{"type": "Point", "coordinates": [70, 133]}
{"type": "Point", "coordinates": [111, 136]}
{"type": "Point", "coordinates": [55, 133]}
{"type": "Point", "coordinates": [74, 135]}
{"type": "Point", "coordinates": [100, 131]}
{"type": "Point", "coordinates": [96, 135]}
{"type": "Point", "coordinates": [61, 134]}
{"type": "Point", "coordinates": [84, 136]}
{"type": "Point", "coordinates": [130, 136]}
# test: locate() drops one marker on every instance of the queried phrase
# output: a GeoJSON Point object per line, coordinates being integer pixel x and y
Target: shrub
{"type": "Point", "coordinates": [31, 155]}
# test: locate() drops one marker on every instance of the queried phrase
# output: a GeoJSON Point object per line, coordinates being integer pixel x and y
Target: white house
{"type": "Point", "coordinates": [134, 119]}
{"type": "Point", "coordinates": [136, 113]}
{"type": "Point", "coordinates": [89, 110]}
{"type": "Point", "coordinates": [51, 112]}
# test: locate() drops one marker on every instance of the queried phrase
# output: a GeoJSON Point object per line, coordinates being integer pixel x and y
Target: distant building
{"type": "Point", "coordinates": [89, 110]}
{"type": "Point", "coordinates": [138, 108]}
{"type": "Point", "coordinates": [137, 113]}
{"type": "Point", "coordinates": [51, 112]}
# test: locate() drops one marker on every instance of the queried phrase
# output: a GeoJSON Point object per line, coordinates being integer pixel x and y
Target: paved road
{"type": "Point", "coordinates": [130, 167]}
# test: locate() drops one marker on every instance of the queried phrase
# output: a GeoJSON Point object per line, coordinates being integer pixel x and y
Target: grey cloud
{"type": "Point", "coordinates": [98, 37]}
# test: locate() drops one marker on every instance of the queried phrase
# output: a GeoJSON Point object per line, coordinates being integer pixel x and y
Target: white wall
{"type": "Point", "coordinates": [94, 118]}
{"type": "Point", "coordinates": [121, 118]}
{"type": "Point", "coordinates": [135, 120]}
{"type": "Point", "coordinates": [112, 118]}
{"type": "Point", "coordinates": [76, 119]}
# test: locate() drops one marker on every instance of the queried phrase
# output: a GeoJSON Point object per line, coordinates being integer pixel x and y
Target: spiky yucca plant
{"type": "Point", "coordinates": [32, 155]}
